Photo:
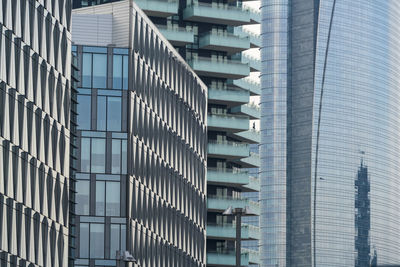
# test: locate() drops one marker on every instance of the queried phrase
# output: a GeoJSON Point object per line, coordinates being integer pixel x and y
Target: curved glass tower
{"type": "Point", "coordinates": [331, 133]}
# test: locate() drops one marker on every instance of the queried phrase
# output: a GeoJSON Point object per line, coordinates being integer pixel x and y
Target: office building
{"type": "Point", "coordinates": [211, 37]}
{"type": "Point", "coordinates": [142, 143]}
{"type": "Point", "coordinates": [35, 88]}
{"type": "Point", "coordinates": [330, 133]}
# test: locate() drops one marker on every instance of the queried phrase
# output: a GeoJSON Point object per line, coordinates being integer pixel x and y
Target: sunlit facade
{"type": "Point", "coordinates": [35, 131]}
{"type": "Point", "coordinates": [330, 133]}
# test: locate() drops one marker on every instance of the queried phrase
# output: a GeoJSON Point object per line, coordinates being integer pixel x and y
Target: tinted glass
{"type": "Point", "coordinates": [84, 112]}
{"type": "Point", "coordinates": [99, 70]}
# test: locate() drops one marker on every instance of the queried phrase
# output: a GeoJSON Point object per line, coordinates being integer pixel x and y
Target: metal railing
{"type": "Point", "coordinates": [229, 143]}
{"type": "Point", "coordinates": [228, 170]}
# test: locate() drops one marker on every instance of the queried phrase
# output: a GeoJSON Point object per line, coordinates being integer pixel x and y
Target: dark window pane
{"type": "Point", "coordinates": [101, 113]}
{"type": "Point", "coordinates": [114, 240]}
{"type": "Point", "coordinates": [114, 114]}
{"type": "Point", "coordinates": [97, 241]}
{"type": "Point", "coordinates": [84, 240]}
{"type": "Point", "coordinates": [84, 110]}
{"type": "Point", "coordinates": [82, 197]}
{"type": "Point", "coordinates": [98, 155]}
{"type": "Point", "coordinates": [125, 73]}
{"type": "Point", "coordinates": [116, 156]}
{"type": "Point", "coordinates": [100, 197]}
{"type": "Point", "coordinates": [112, 199]}
{"type": "Point", "coordinates": [87, 70]}
{"type": "Point", "coordinates": [85, 155]}
{"type": "Point", "coordinates": [123, 157]}
{"type": "Point", "coordinates": [117, 72]}
{"type": "Point", "coordinates": [99, 71]}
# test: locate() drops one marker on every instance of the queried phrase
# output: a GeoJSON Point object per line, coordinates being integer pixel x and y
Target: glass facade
{"type": "Point", "coordinates": [341, 196]}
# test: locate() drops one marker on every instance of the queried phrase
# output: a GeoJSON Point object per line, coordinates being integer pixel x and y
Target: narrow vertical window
{"type": "Point", "coordinates": [112, 199]}
{"type": "Point", "coordinates": [82, 197]}
{"type": "Point", "coordinates": [84, 112]}
{"type": "Point", "coordinates": [116, 156]}
{"type": "Point", "coordinates": [84, 240]}
{"type": "Point", "coordinates": [100, 197]}
{"type": "Point", "coordinates": [99, 70]}
{"type": "Point", "coordinates": [85, 155]}
{"type": "Point", "coordinates": [101, 113]}
{"type": "Point", "coordinates": [96, 240]}
{"type": "Point", "coordinates": [114, 114]}
{"type": "Point", "coordinates": [125, 73]}
{"type": "Point", "coordinates": [87, 70]}
{"type": "Point", "coordinates": [117, 72]}
{"type": "Point", "coordinates": [98, 155]}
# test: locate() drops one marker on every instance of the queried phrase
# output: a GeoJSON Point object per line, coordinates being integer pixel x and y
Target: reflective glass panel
{"type": "Point", "coordinates": [96, 240]}
{"type": "Point", "coordinates": [99, 70]}
{"type": "Point", "coordinates": [113, 199]}
{"type": "Point", "coordinates": [98, 155]}
{"type": "Point", "coordinates": [87, 70]}
{"type": "Point", "coordinates": [82, 197]}
{"type": "Point", "coordinates": [84, 112]}
{"type": "Point", "coordinates": [114, 114]}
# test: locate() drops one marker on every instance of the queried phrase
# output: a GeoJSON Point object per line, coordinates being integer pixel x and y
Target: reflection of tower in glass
{"type": "Point", "coordinates": [362, 217]}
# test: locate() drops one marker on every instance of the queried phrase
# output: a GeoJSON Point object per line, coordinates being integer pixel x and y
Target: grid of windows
{"type": "Point", "coordinates": [35, 99]}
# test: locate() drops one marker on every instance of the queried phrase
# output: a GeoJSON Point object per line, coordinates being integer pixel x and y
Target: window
{"type": "Point", "coordinates": [109, 109]}
{"type": "Point", "coordinates": [117, 239]}
{"type": "Point", "coordinates": [120, 72]}
{"type": "Point", "coordinates": [99, 70]}
{"type": "Point", "coordinates": [96, 240]}
{"type": "Point", "coordinates": [114, 113]}
{"type": "Point", "coordinates": [93, 155]}
{"type": "Point", "coordinates": [101, 113]}
{"type": "Point", "coordinates": [84, 112]}
{"type": "Point", "coordinates": [94, 70]}
{"type": "Point", "coordinates": [82, 197]}
{"type": "Point", "coordinates": [118, 157]}
{"type": "Point", "coordinates": [108, 198]}
{"type": "Point", "coordinates": [85, 155]}
{"type": "Point", "coordinates": [87, 70]}
{"type": "Point", "coordinates": [98, 161]}
{"type": "Point", "coordinates": [84, 240]}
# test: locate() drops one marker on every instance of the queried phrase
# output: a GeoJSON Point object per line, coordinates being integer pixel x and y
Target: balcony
{"type": "Point", "coordinates": [228, 231]}
{"type": "Point", "coordinates": [176, 35]}
{"type": "Point", "coordinates": [255, 14]}
{"type": "Point", "coordinates": [216, 13]}
{"type": "Point", "coordinates": [159, 8]}
{"type": "Point", "coordinates": [227, 122]}
{"type": "Point", "coordinates": [253, 87]}
{"type": "Point", "coordinates": [220, 203]}
{"type": "Point", "coordinates": [253, 161]}
{"type": "Point", "coordinates": [251, 110]}
{"type": "Point", "coordinates": [222, 259]}
{"type": "Point", "coordinates": [253, 62]}
{"type": "Point", "coordinates": [222, 68]}
{"type": "Point", "coordinates": [228, 96]}
{"type": "Point", "coordinates": [233, 177]}
{"type": "Point", "coordinates": [254, 256]}
{"type": "Point", "coordinates": [253, 185]}
{"type": "Point", "coordinates": [251, 136]}
{"type": "Point", "coordinates": [227, 149]}
{"type": "Point", "coordinates": [255, 39]}
{"type": "Point", "coordinates": [223, 41]}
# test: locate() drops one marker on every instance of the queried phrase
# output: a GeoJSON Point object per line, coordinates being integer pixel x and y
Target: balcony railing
{"type": "Point", "coordinates": [177, 35]}
{"type": "Point", "coordinates": [219, 67]}
{"type": "Point", "coordinates": [218, 13]}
